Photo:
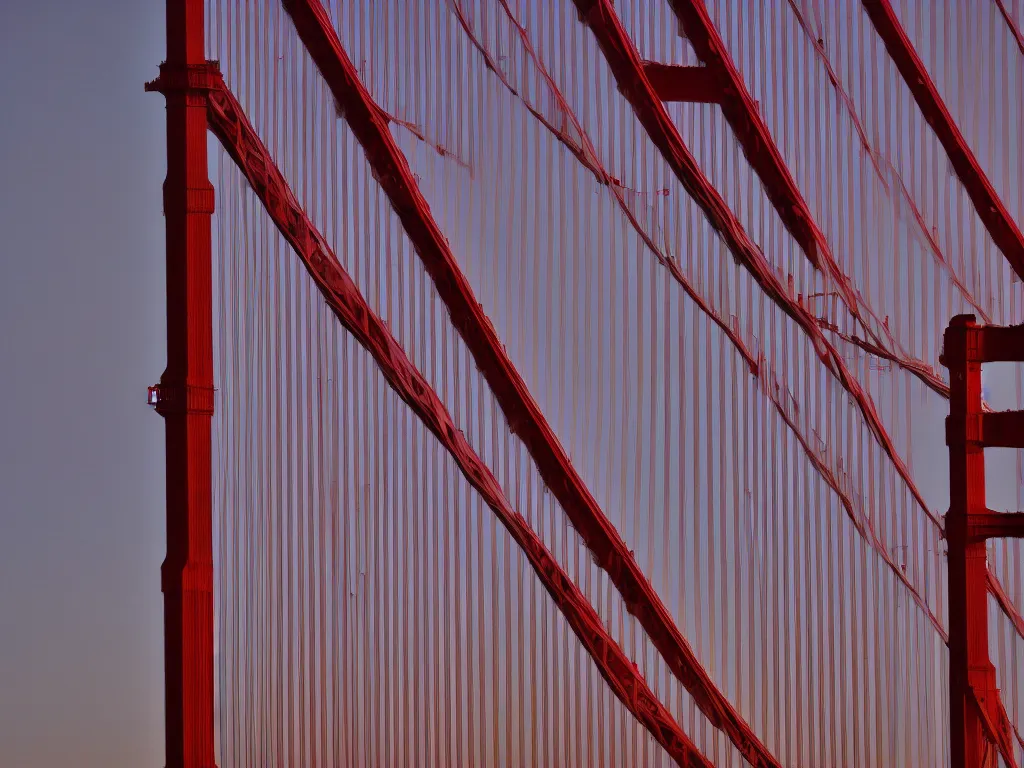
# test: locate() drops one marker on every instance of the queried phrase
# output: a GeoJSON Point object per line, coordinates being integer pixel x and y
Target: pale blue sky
{"type": "Point", "coordinates": [82, 319]}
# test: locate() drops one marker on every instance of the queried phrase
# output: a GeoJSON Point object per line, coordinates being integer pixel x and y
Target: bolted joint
{"type": "Point", "coordinates": [175, 78]}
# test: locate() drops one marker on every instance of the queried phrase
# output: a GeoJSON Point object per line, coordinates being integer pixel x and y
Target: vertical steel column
{"type": "Point", "coordinates": [969, 664]}
{"type": "Point", "coordinates": [185, 394]}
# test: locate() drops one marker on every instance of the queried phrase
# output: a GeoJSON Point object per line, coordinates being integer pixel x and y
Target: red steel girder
{"type": "Point", "coordinates": [239, 138]}
{"type": "Point", "coordinates": [995, 525]}
{"type": "Point", "coordinates": [674, 82]}
{"type": "Point", "coordinates": [186, 395]}
{"type": "Point", "coordinates": [971, 674]}
{"type": "Point", "coordinates": [625, 64]}
{"type": "Point", "coordinates": [743, 115]}
{"type": "Point", "coordinates": [990, 208]}
{"type": "Point", "coordinates": [524, 417]}
{"type": "Point", "coordinates": [976, 711]}
{"type": "Point", "coordinates": [1002, 344]}
{"type": "Point", "coordinates": [998, 429]}
{"type": "Point", "coordinates": [741, 112]}
{"type": "Point", "coordinates": [586, 154]}
{"type": "Point", "coordinates": [996, 725]}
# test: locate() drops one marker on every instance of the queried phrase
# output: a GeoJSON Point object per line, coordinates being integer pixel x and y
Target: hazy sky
{"type": "Point", "coordinates": [81, 312]}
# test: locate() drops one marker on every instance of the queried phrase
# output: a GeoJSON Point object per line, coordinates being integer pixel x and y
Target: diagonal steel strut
{"type": "Point", "coordinates": [741, 113]}
{"type": "Point", "coordinates": [525, 418]}
{"type": "Point", "coordinates": [986, 202]}
{"type": "Point", "coordinates": [764, 157]}
{"type": "Point", "coordinates": [625, 64]}
{"type": "Point", "coordinates": [990, 208]}
{"type": "Point", "coordinates": [586, 155]}
{"type": "Point", "coordinates": [628, 71]}
{"type": "Point", "coordinates": [227, 120]}
{"type": "Point", "coordinates": [759, 148]}
{"type": "Point", "coordinates": [996, 725]}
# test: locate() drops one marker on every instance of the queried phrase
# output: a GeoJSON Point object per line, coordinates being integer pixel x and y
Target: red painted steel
{"type": "Point", "coordinates": [758, 146]}
{"type": "Point", "coordinates": [1011, 25]}
{"type": "Point", "coordinates": [743, 115]}
{"type": "Point", "coordinates": [198, 100]}
{"type": "Point", "coordinates": [890, 176]}
{"type": "Point", "coordinates": [1004, 429]}
{"type": "Point", "coordinates": [584, 151]}
{"type": "Point", "coordinates": [998, 728]}
{"type": "Point", "coordinates": [673, 82]}
{"type": "Point", "coordinates": [185, 395]}
{"type": "Point", "coordinates": [1002, 344]}
{"type": "Point", "coordinates": [587, 156]}
{"type": "Point", "coordinates": [239, 138]}
{"type": "Point", "coordinates": [990, 208]}
{"type": "Point", "coordinates": [976, 712]}
{"type": "Point", "coordinates": [996, 525]}
{"type": "Point", "coordinates": [625, 64]}
{"type": "Point", "coordinates": [524, 417]}
{"type": "Point", "coordinates": [970, 667]}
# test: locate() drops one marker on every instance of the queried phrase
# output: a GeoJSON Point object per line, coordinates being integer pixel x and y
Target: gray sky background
{"type": "Point", "coordinates": [81, 336]}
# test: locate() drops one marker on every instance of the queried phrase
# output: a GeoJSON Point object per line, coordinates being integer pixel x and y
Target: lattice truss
{"type": "Point", "coordinates": [578, 387]}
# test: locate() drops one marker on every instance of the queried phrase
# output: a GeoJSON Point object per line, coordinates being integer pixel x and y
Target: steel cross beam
{"type": "Point", "coordinates": [1014, 29]}
{"type": "Point", "coordinates": [976, 712]}
{"type": "Point", "coordinates": [995, 525]}
{"type": "Point", "coordinates": [229, 123]}
{"type": "Point", "coordinates": [369, 124]}
{"type": "Point", "coordinates": [990, 208]}
{"type": "Point", "coordinates": [675, 82]}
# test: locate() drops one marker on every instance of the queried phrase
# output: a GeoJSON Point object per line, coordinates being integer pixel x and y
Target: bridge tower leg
{"type": "Point", "coordinates": [184, 396]}
{"type": "Point", "coordinates": [971, 672]}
